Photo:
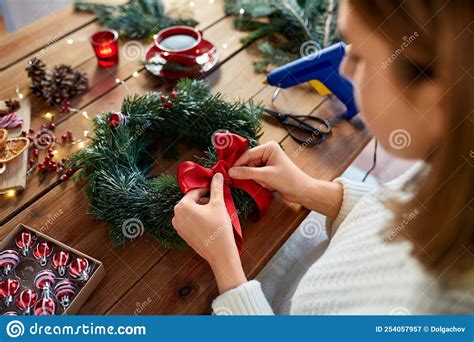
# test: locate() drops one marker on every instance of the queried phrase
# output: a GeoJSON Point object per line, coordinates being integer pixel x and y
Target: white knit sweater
{"type": "Point", "coordinates": [361, 272]}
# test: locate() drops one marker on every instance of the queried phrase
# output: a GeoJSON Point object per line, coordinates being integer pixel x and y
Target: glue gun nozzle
{"type": "Point", "coordinates": [265, 81]}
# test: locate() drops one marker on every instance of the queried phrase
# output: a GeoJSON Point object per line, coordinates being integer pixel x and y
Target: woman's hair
{"type": "Point", "coordinates": [432, 42]}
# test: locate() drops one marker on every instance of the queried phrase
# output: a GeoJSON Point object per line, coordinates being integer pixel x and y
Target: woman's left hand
{"type": "Point", "coordinates": [207, 228]}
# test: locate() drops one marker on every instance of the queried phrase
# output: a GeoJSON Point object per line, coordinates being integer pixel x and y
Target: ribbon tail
{"type": "Point", "coordinates": [234, 217]}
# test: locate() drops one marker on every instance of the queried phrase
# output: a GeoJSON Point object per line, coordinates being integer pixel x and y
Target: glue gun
{"type": "Point", "coordinates": [321, 69]}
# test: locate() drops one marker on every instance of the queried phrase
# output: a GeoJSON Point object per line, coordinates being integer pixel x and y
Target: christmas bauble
{"type": "Point", "coordinates": [24, 241]}
{"type": "Point", "coordinates": [45, 280]}
{"type": "Point", "coordinates": [79, 269]}
{"type": "Point", "coordinates": [8, 288]}
{"type": "Point", "coordinates": [64, 291]}
{"type": "Point", "coordinates": [45, 307]}
{"type": "Point", "coordinates": [26, 300]}
{"type": "Point", "coordinates": [42, 251]}
{"type": "Point", "coordinates": [60, 261]}
{"type": "Point", "coordinates": [117, 119]}
{"type": "Point", "coordinates": [8, 260]}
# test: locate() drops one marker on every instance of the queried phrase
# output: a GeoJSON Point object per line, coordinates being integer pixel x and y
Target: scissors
{"type": "Point", "coordinates": [305, 129]}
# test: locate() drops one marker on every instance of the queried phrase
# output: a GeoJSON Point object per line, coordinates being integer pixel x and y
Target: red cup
{"type": "Point", "coordinates": [105, 45]}
{"type": "Point", "coordinates": [179, 44]}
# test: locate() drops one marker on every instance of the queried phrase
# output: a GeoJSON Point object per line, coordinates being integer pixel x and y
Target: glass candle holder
{"type": "Point", "coordinates": [105, 45]}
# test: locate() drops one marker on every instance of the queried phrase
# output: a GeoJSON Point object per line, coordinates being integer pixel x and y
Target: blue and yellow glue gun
{"type": "Point", "coordinates": [321, 69]}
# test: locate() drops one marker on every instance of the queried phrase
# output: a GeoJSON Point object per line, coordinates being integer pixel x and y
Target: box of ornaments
{"type": "Point", "coordinates": [42, 276]}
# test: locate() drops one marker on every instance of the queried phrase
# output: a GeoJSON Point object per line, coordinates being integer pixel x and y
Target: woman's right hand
{"type": "Point", "coordinates": [269, 166]}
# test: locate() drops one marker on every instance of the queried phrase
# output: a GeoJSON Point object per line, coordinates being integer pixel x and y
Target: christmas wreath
{"type": "Point", "coordinates": [116, 163]}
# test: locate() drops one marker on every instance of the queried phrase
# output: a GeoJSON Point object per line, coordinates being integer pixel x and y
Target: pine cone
{"type": "Point", "coordinates": [36, 71]}
{"type": "Point", "coordinates": [12, 104]}
{"type": "Point", "coordinates": [62, 84]}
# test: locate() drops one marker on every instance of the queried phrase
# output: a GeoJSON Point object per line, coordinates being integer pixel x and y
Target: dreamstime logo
{"type": "Point", "coordinates": [221, 141]}
{"type": "Point", "coordinates": [133, 50]}
{"type": "Point", "coordinates": [132, 228]}
{"type": "Point", "coordinates": [311, 228]}
{"type": "Point", "coordinates": [399, 139]}
{"type": "Point", "coordinates": [400, 311]}
{"type": "Point", "coordinates": [407, 41]}
{"type": "Point", "coordinates": [15, 329]}
{"type": "Point", "coordinates": [140, 307]}
{"type": "Point", "coordinates": [213, 236]}
{"type": "Point", "coordinates": [309, 49]}
{"type": "Point", "coordinates": [44, 139]}
{"type": "Point", "coordinates": [406, 219]}
{"type": "Point", "coordinates": [51, 219]}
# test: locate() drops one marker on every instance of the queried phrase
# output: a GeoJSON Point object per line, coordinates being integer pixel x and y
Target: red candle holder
{"type": "Point", "coordinates": [105, 45]}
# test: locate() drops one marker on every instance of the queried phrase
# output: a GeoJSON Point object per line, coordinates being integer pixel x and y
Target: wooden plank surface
{"type": "Point", "coordinates": [102, 81]}
{"type": "Point", "coordinates": [143, 277]}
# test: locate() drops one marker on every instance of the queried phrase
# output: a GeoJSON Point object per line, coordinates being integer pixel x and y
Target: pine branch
{"type": "Point", "coordinates": [135, 19]}
{"type": "Point", "coordinates": [296, 20]}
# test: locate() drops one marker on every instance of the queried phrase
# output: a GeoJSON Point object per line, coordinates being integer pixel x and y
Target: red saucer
{"type": "Point", "coordinates": [168, 69]}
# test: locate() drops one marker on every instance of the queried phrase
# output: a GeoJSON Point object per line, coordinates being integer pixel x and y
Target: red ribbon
{"type": "Point", "coordinates": [229, 148]}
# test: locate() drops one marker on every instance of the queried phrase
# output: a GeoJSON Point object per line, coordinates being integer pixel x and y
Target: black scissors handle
{"type": "Point", "coordinates": [300, 122]}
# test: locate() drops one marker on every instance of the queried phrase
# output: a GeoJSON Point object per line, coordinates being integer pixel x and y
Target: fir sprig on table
{"type": "Point", "coordinates": [116, 163]}
{"type": "Point", "coordinates": [284, 25]}
{"type": "Point", "coordinates": [135, 19]}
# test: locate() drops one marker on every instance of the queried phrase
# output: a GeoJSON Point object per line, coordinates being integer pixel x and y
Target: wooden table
{"type": "Point", "coordinates": [144, 277]}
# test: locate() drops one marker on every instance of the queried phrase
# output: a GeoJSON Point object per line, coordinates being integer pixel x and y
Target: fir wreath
{"type": "Point", "coordinates": [115, 165]}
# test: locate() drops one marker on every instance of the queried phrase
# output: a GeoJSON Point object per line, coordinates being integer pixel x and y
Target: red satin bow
{"type": "Point", "coordinates": [229, 148]}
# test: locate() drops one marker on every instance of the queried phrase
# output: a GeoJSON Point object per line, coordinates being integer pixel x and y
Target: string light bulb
{"type": "Point", "coordinates": [49, 116]}
{"type": "Point", "coordinates": [10, 193]}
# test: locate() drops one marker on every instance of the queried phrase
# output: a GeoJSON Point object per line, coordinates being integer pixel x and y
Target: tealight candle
{"type": "Point", "coordinates": [105, 45]}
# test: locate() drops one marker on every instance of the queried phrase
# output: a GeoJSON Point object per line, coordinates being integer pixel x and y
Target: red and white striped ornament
{"type": "Point", "coordinates": [60, 261]}
{"type": "Point", "coordinates": [24, 241]}
{"type": "Point", "coordinates": [117, 119]}
{"type": "Point", "coordinates": [64, 291]}
{"type": "Point", "coordinates": [26, 300]}
{"type": "Point", "coordinates": [8, 288]}
{"type": "Point", "coordinates": [42, 251]}
{"type": "Point", "coordinates": [79, 269]}
{"type": "Point", "coordinates": [8, 260]}
{"type": "Point", "coordinates": [45, 307]}
{"type": "Point", "coordinates": [45, 280]}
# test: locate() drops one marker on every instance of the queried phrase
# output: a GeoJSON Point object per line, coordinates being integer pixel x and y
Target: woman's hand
{"type": "Point", "coordinates": [269, 166]}
{"type": "Point", "coordinates": [207, 228]}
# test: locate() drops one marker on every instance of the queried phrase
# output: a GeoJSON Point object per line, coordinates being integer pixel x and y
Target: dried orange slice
{"type": "Point", "coordinates": [13, 148]}
{"type": "Point", "coordinates": [3, 138]}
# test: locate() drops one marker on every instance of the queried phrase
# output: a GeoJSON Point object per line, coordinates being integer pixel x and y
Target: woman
{"type": "Point", "coordinates": [411, 66]}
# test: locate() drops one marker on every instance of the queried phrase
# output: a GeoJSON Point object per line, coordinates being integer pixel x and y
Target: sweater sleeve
{"type": "Point", "coordinates": [353, 192]}
{"type": "Point", "coordinates": [246, 299]}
